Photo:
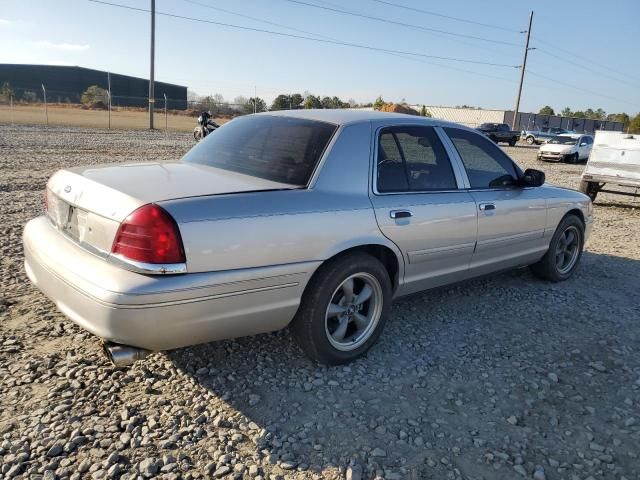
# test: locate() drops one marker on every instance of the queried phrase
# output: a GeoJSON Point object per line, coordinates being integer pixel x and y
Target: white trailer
{"type": "Point", "coordinates": [614, 161]}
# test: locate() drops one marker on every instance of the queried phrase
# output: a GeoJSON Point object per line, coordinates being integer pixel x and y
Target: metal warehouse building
{"type": "Point", "coordinates": [66, 84]}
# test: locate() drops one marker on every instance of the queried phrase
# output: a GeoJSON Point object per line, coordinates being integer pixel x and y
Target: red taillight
{"type": "Point", "coordinates": [149, 235]}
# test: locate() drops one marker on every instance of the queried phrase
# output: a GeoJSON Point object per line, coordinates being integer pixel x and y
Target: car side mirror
{"type": "Point", "coordinates": [532, 178]}
{"type": "Point", "coordinates": [583, 144]}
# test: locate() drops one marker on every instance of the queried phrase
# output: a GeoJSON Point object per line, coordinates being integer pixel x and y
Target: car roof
{"type": "Point", "coordinates": [572, 135]}
{"type": "Point", "coordinates": [350, 115]}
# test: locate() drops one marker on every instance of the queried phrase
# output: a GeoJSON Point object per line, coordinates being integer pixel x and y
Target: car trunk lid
{"type": "Point", "coordinates": [87, 204]}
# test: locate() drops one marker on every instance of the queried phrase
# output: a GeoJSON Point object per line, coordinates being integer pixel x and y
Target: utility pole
{"type": "Point", "coordinates": [152, 97]}
{"type": "Point", "coordinates": [109, 95]}
{"type": "Point", "coordinates": [522, 69]}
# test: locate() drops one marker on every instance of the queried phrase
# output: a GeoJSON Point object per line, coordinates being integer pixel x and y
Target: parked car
{"type": "Point", "coordinates": [571, 148]}
{"type": "Point", "coordinates": [499, 132]}
{"type": "Point", "coordinates": [544, 134]}
{"type": "Point", "coordinates": [614, 160]}
{"type": "Point", "coordinates": [313, 218]}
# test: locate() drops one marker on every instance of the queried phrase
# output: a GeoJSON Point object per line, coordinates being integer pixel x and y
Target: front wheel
{"type": "Point", "coordinates": [575, 158]}
{"type": "Point", "coordinates": [565, 251]}
{"type": "Point", "coordinates": [343, 309]}
{"type": "Point", "coordinates": [512, 142]}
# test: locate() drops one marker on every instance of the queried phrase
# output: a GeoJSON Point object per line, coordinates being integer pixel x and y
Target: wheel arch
{"type": "Point", "coordinates": [388, 255]}
{"type": "Point", "coordinates": [574, 211]}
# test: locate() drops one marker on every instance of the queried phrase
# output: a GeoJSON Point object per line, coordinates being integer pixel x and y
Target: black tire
{"type": "Point", "coordinates": [574, 159]}
{"type": "Point", "coordinates": [493, 139]}
{"type": "Point", "coordinates": [309, 327]}
{"type": "Point", "coordinates": [547, 267]}
{"type": "Point", "coordinates": [530, 140]}
{"type": "Point", "coordinates": [512, 142]}
{"type": "Point", "coordinates": [590, 189]}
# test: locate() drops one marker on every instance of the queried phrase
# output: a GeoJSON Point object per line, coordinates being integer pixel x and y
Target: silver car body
{"type": "Point", "coordinates": [252, 245]}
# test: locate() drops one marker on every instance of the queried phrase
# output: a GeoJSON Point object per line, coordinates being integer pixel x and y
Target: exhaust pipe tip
{"type": "Point", "coordinates": [123, 355]}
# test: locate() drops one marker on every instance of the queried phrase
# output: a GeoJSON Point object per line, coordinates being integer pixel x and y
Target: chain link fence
{"type": "Point", "coordinates": [99, 109]}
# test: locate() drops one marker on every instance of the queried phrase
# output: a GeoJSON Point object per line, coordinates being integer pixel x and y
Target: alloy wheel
{"type": "Point", "coordinates": [567, 250]}
{"type": "Point", "coordinates": [353, 311]}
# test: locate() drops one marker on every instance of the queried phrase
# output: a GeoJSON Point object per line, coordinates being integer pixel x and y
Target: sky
{"type": "Point", "coordinates": [585, 55]}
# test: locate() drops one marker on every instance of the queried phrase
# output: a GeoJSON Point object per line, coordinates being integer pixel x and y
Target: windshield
{"type": "Point", "coordinates": [563, 141]}
{"type": "Point", "coordinates": [488, 126]}
{"type": "Point", "coordinates": [280, 149]}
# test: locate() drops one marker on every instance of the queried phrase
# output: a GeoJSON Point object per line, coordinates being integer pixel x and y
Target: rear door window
{"type": "Point", "coordinates": [412, 158]}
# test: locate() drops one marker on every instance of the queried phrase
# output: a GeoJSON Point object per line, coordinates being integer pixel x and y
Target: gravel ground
{"type": "Point", "coordinates": [502, 377]}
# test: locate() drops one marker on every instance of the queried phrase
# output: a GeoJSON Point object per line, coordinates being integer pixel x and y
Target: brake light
{"type": "Point", "coordinates": [149, 235]}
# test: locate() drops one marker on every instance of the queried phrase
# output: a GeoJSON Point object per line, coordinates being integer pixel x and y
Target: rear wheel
{"type": "Point", "coordinates": [493, 139]}
{"type": "Point", "coordinates": [343, 309]}
{"type": "Point", "coordinates": [564, 252]}
{"type": "Point", "coordinates": [530, 140]}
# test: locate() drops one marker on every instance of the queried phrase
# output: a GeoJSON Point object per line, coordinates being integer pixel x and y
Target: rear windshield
{"type": "Point", "coordinates": [280, 149]}
{"type": "Point", "coordinates": [563, 141]}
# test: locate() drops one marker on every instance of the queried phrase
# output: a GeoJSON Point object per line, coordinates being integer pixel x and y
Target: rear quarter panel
{"type": "Point", "coordinates": [287, 226]}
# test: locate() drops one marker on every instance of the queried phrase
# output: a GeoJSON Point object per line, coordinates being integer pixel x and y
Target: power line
{"type": "Point", "coordinates": [407, 25]}
{"type": "Point", "coordinates": [575, 87]}
{"type": "Point", "coordinates": [449, 17]}
{"type": "Point", "coordinates": [588, 60]}
{"type": "Point", "coordinates": [301, 37]}
{"type": "Point", "coordinates": [579, 65]}
{"type": "Point", "coordinates": [406, 57]}
{"type": "Point", "coordinates": [256, 19]}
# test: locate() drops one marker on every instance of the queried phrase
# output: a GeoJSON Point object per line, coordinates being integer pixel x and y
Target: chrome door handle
{"type": "Point", "coordinates": [400, 213]}
{"type": "Point", "coordinates": [486, 206]}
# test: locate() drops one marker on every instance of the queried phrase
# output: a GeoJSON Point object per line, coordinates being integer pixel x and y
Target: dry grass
{"type": "Point", "coordinates": [77, 117]}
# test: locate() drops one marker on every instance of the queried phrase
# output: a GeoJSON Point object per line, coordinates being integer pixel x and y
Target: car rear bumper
{"type": "Point", "coordinates": [159, 312]}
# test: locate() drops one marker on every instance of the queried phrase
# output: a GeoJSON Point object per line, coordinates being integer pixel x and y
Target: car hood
{"type": "Point", "coordinates": [556, 148]}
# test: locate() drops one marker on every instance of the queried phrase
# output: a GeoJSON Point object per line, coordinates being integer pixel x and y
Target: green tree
{"type": "Point", "coordinates": [546, 110]}
{"type": "Point", "coordinates": [566, 112]}
{"type": "Point", "coordinates": [377, 105]}
{"type": "Point", "coordinates": [634, 125]}
{"type": "Point", "coordinates": [312, 101]}
{"type": "Point", "coordinates": [579, 114]}
{"type": "Point", "coordinates": [287, 102]}
{"type": "Point", "coordinates": [620, 117]}
{"type": "Point", "coordinates": [95, 97]}
{"type": "Point", "coordinates": [600, 114]}
{"type": "Point", "coordinates": [296, 101]}
{"type": "Point", "coordinates": [281, 102]}
{"type": "Point", "coordinates": [260, 105]}
{"type": "Point", "coordinates": [6, 91]}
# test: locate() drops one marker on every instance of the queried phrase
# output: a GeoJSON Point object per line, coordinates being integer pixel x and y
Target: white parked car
{"type": "Point", "coordinates": [569, 147]}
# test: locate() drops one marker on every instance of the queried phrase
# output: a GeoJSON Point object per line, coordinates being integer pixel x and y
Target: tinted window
{"type": "Point", "coordinates": [392, 176]}
{"type": "Point", "coordinates": [486, 165]}
{"type": "Point", "coordinates": [280, 149]}
{"type": "Point", "coordinates": [423, 164]}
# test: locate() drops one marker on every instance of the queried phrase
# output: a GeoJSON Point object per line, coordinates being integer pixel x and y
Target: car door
{"type": "Point", "coordinates": [420, 206]}
{"type": "Point", "coordinates": [584, 146]}
{"type": "Point", "coordinates": [511, 219]}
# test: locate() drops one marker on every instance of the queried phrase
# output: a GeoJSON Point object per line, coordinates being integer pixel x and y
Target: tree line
{"type": "Point", "coordinates": [632, 124]}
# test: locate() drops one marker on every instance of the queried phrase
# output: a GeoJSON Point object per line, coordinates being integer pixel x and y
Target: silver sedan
{"type": "Point", "coordinates": [315, 219]}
